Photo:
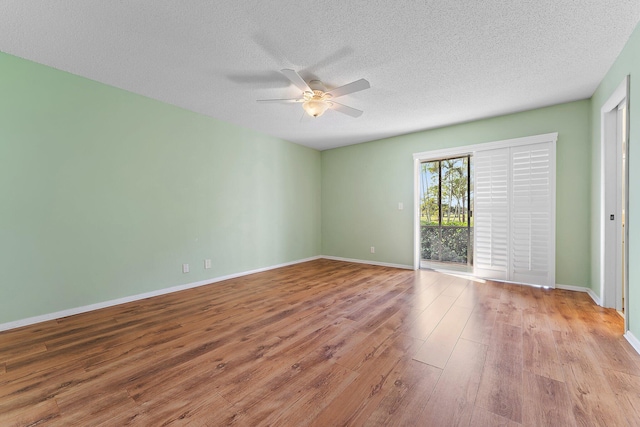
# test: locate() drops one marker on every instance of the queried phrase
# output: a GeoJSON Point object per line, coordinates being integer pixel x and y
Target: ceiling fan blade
{"type": "Point", "coordinates": [296, 80]}
{"type": "Point", "coordinates": [349, 111]}
{"type": "Point", "coordinates": [356, 86]}
{"type": "Point", "coordinates": [282, 101]}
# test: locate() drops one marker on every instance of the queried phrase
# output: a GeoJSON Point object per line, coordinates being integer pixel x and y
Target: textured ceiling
{"type": "Point", "coordinates": [430, 63]}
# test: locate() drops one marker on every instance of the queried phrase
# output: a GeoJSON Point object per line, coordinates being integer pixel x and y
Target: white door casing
{"type": "Point", "coordinates": [614, 128]}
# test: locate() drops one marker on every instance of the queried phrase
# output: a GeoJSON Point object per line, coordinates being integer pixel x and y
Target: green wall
{"type": "Point", "coordinates": [627, 63]}
{"type": "Point", "coordinates": [363, 184]}
{"type": "Point", "coordinates": [105, 194]}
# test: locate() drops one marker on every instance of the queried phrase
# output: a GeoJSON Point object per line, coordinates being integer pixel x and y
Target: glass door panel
{"type": "Point", "coordinates": [446, 216]}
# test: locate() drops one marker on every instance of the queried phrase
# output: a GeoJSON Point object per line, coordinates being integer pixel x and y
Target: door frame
{"type": "Point", "coordinates": [465, 150]}
{"type": "Point", "coordinates": [611, 231]}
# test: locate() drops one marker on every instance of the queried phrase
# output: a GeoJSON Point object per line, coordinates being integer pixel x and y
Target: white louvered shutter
{"type": "Point", "coordinates": [531, 214]}
{"type": "Point", "coordinates": [491, 210]}
{"type": "Point", "coordinates": [514, 208]}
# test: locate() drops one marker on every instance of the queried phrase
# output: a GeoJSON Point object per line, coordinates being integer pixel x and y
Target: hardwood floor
{"type": "Point", "coordinates": [328, 343]}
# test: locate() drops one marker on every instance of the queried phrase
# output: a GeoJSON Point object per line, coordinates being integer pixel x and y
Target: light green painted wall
{"type": "Point", "coordinates": [627, 63]}
{"type": "Point", "coordinates": [362, 185]}
{"type": "Point", "coordinates": [104, 194]}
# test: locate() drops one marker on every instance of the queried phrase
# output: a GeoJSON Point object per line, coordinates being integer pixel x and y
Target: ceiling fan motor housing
{"type": "Point", "coordinates": [317, 85]}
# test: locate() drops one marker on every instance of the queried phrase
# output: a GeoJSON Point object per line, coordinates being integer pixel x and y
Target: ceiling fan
{"type": "Point", "coordinates": [316, 99]}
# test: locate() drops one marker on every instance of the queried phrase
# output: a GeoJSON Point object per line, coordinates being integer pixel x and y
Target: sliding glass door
{"type": "Point", "coordinates": [446, 213]}
{"type": "Point", "coordinates": [488, 210]}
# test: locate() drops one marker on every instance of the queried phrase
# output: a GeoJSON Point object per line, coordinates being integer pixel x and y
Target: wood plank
{"type": "Point", "coordinates": [86, 408]}
{"type": "Point", "coordinates": [360, 398]}
{"type": "Point", "coordinates": [558, 313]}
{"type": "Point", "coordinates": [593, 401]}
{"type": "Point", "coordinates": [362, 347]}
{"type": "Point", "coordinates": [538, 347]}
{"type": "Point", "coordinates": [479, 327]}
{"type": "Point", "coordinates": [547, 402]}
{"type": "Point", "coordinates": [609, 349]}
{"type": "Point", "coordinates": [456, 287]}
{"type": "Point", "coordinates": [427, 321]}
{"type": "Point", "coordinates": [413, 384]}
{"type": "Point", "coordinates": [235, 386]}
{"type": "Point", "coordinates": [472, 295]}
{"type": "Point", "coordinates": [317, 395]}
{"type": "Point", "coordinates": [286, 388]}
{"type": "Point", "coordinates": [420, 301]}
{"type": "Point", "coordinates": [452, 401]}
{"type": "Point", "coordinates": [500, 389]}
{"type": "Point", "coordinates": [510, 314]}
{"type": "Point", "coordinates": [483, 418]}
{"type": "Point", "coordinates": [38, 414]}
{"type": "Point", "coordinates": [437, 349]}
{"type": "Point", "coordinates": [492, 290]}
{"type": "Point", "coordinates": [8, 354]}
{"type": "Point", "coordinates": [627, 391]}
{"type": "Point", "coordinates": [179, 406]}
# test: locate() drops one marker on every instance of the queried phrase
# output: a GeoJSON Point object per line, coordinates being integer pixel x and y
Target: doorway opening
{"type": "Point", "coordinates": [614, 285]}
{"type": "Point", "coordinates": [446, 214]}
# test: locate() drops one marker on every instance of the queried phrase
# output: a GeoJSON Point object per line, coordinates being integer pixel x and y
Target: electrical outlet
{"type": "Point", "coordinates": [373, 249]}
{"type": "Point", "coordinates": [185, 268]}
{"type": "Point", "coordinates": [400, 206]}
{"type": "Point", "coordinates": [207, 263]}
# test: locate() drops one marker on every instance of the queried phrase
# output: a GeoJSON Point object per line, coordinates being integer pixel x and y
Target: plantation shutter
{"type": "Point", "coordinates": [491, 210]}
{"type": "Point", "coordinates": [515, 214]}
{"type": "Point", "coordinates": [531, 214]}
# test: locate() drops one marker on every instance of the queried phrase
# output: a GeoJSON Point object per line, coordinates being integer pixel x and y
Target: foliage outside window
{"type": "Point", "coordinates": [445, 210]}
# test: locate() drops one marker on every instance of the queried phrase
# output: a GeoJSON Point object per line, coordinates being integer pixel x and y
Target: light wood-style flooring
{"type": "Point", "coordinates": [328, 343]}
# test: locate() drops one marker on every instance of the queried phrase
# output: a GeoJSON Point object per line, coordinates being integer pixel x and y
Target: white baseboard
{"type": "Point", "coordinates": [118, 301]}
{"type": "Point", "coordinates": [589, 291]}
{"type": "Point", "coordinates": [362, 261]}
{"type": "Point", "coordinates": [633, 341]}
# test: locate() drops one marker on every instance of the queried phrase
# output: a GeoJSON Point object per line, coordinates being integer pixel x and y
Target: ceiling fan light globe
{"type": "Point", "coordinates": [315, 107]}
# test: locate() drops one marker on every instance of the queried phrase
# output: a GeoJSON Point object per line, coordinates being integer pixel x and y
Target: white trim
{"type": "Point", "coordinates": [118, 301]}
{"type": "Point", "coordinates": [607, 133]}
{"type": "Point", "coordinates": [617, 96]}
{"type": "Point", "coordinates": [589, 291]}
{"type": "Point", "coordinates": [470, 149]}
{"type": "Point", "coordinates": [635, 343]}
{"type": "Point", "coordinates": [416, 212]}
{"type": "Point", "coordinates": [364, 261]}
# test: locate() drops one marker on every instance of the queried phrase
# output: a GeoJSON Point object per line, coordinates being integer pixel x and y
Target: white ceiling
{"type": "Point", "coordinates": [430, 63]}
